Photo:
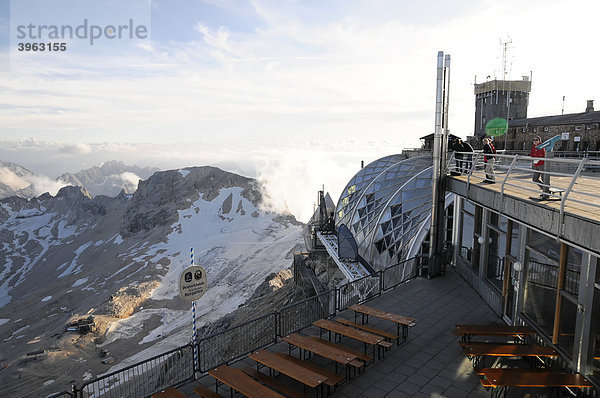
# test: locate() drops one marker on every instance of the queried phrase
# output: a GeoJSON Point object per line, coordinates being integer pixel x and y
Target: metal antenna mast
{"type": "Point", "coordinates": [504, 79]}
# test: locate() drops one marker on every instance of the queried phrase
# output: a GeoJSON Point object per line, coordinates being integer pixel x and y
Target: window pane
{"type": "Point", "coordinates": [466, 242]}
{"type": "Point", "coordinates": [515, 240]}
{"type": "Point", "coordinates": [495, 266]}
{"type": "Point", "coordinates": [595, 331]}
{"type": "Point", "coordinates": [568, 318]}
{"type": "Point", "coordinates": [540, 291]}
{"type": "Point", "coordinates": [546, 246]}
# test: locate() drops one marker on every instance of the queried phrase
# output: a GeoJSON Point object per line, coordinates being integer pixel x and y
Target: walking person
{"type": "Point", "coordinates": [541, 179]}
{"type": "Point", "coordinates": [489, 160]}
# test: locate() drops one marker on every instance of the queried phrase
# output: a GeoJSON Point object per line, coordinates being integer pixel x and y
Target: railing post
{"type": "Point", "coordinates": [582, 163]}
{"type": "Point", "coordinates": [475, 159]}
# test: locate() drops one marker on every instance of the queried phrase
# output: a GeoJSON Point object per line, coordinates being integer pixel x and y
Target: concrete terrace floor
{"type": "Point", "coordinates": [430, 363]}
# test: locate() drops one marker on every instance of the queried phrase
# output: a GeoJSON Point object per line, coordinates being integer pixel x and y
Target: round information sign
{"type": "Point", "coordinates": [192, 283]}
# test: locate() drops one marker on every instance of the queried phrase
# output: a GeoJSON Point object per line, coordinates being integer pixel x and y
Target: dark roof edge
{"type": "Point", "coordinates": [571, 118]}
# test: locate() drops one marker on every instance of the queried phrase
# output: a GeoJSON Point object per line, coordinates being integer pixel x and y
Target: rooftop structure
{"type": "Point", "coordinates": [506, 99]}
{"type": "Point", "coordinates": [386, 206]}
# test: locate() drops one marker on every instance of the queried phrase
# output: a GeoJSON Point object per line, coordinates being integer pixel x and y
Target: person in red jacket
{"type": "Point", "coordinates": [538, 167]}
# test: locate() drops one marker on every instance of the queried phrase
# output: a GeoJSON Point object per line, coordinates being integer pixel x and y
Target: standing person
{"type": "Point", "coordinates": [458, 157]}
{"type": "Point", "coordinates": [468, 159]}
{"type": "Point", "coordinates": [489, 160]}
{"type": "Point", "coordinates": [538, 167]}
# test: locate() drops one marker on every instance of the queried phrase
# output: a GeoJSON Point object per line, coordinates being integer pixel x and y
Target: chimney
{"type": "Point", "coordinates": [590, 106]}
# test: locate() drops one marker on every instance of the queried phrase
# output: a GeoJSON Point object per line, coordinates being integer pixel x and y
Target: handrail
{"type": "Point", "coordinates": [103, 386]}
{"type": "Point", "coordinates": [567, 176]}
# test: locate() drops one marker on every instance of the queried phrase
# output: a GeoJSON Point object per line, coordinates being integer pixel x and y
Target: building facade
{"type": "Point", "coordinates": [580, 132]}
{"type": "Point", "coordinates": [506, 99]}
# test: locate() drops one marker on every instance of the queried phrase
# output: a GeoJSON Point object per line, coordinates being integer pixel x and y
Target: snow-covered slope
{"type": "Point", "coordinates": [108, 179]}
{"type": "Point", "coordinates": [120, 259]}
{"type": "Point", "coordinates": [15, 180]}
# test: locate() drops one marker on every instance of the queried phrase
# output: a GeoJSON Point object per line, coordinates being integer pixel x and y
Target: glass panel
{"type": "Point", "coordinates": [545, 245]}
{"type": "Point", "coordinates": [495, 265]}
{"type": "Point", "coordinates": [595, 329]}
{"type": "Point", "coordinates": [573, 271]}
{"type": "Point", "coordinates": [515, 240]}
{"type": "Point", "coordinates": [568, 318]}
{"type": "Point", "coordinates": [466, 243]}
{"type": "Point", "coordinates": [468, 206]}
{"type": "Point", "coordinates": [503, 224]}
{"type": "Point", "coordinates": [540, 291]}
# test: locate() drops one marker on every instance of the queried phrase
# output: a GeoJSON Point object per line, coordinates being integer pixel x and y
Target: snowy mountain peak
{"type": "Point", "coordinates": [120, 258]}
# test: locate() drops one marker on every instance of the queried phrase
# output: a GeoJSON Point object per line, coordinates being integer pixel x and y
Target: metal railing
{"type": "Point", "coordinates": [176, 367]}
{"type": "Point", "coordinates": [561, 177]}
{"type": "Point", "coordinates": [359, 291]}
{"type": "Point", "coordinates": [300, 315]}
{"type": "Point", "coordinates": [230, 345]}
{"type": "Point", "coordinates": [546, 275]}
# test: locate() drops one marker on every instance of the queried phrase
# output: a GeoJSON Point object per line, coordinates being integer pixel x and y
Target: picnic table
{"type": "Point", "coordinates": [297, 372]}
{"type": "Point", "coordinates": [478, 351]}
{"type": "Point", "coordinates": [241, 382]}
{"type": "Point", "coordinates": [500, 380]}
{"type": "Point", "coordinates": [399, 320]}
{"type": "Point", "coordinates": [335, 354]}
{"type": "Point", "coordinates": [468, 331]}
{"type": "Point", "coordinates": [366, 337]}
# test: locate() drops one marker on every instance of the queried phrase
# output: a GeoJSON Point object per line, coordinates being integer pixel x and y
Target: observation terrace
{"type": "Point", "coordinates": [571, 212]}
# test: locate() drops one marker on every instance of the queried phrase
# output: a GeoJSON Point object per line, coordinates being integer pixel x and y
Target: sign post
{"type": "Point", "coordinates": [192, 286]}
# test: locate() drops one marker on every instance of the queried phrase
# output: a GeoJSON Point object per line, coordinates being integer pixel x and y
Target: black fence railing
{"type": "Point", "coordinates": [547, 275]}
{"type": "Point", "coordinates": [400, 273]}
{"type": "Point", "coordinates": [302, 314]}
{"type": "Point", "coordinates": [230, 345]}
{"type": "Point", "coordinates": [359, 291]}
{"type": "Point", "coordinates": [176, 367]}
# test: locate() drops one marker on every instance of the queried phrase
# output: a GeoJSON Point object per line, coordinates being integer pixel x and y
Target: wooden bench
{"type": "Point", "coordinates": [241, 382]}
{"type": "Point", "coordinates": [332, 378]}
{"type": "Point", "coordinates": [468, 331]}
{"type": "Point", "coordinates": [353, 333]}
{"type": "Point", "coordinates": [169, 393]}
{"type": "Point", "coordinates": [363, 357]}
{"type": "Point", "coordinates": [502, 379]}
{"type": "Point", "coordinates": [206, 393]}
{"type": "Point", "coordinates": [274, 383]}
{"type": "Point", "coordinates": [399, 320]}
{"type": "Point", "coordinates": [387, 335]}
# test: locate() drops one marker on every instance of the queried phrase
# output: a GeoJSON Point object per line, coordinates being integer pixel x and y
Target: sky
{"type": "Point", "coordinates": [295, 93]}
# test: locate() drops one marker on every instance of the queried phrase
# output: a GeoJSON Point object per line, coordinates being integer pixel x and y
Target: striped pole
{"type": "Point", "coordinates": [194, 320]}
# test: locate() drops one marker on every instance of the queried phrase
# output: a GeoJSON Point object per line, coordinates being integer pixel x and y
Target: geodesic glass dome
{"type": "Point", "coordinates": [385, 206]}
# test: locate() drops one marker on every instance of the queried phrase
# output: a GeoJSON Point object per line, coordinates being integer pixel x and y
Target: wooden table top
{"type": "Point", "coordinates": [320, 349]}
{"type": "Point", "coordinates": [363, 309]}
{"type": "Point", "coordinates": [348, 331]}
{"type": "Point", "coordinates": [499, 330]}
{"type": "Point", "coordinates": [289, 368]}
{"type": "Point", "coordinates": [526, 378]}
{"type": "Point", "coordinates": [509, 350]}
{"type": "Point", "coordinates": [243, 383]}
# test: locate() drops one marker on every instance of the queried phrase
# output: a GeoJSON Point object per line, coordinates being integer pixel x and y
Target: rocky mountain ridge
{"type": "Point", "coordinates": [119, 258]}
